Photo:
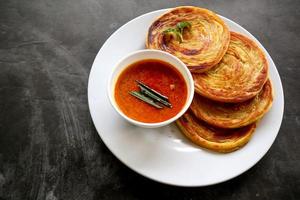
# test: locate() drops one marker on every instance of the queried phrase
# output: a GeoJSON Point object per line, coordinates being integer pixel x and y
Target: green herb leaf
{"type": "Point", "coordinates": [183, 25]}
{"type": "Point", "coordinates": [170, 30]}
{"type": "Point", "coordinates": [140, 83]}
{"type": "Point", "coordinates": [172, 33]}
{"type": "Point", "coordinates": [177, 32]}
{"type": "Point", "coordinates": [154, 97]}
{"type": "Point", "coordinates": [144, 98]}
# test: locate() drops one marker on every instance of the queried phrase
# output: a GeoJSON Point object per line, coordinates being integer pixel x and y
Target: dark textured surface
{"type": "Point", "coordinates": [49, 148]}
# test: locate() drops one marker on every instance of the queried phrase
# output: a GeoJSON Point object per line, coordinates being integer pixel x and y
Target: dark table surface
{"type": "Point", "coordinates": [49, 148]}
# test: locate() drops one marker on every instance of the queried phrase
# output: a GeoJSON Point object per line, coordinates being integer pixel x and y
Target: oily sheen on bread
{"type": "Point", "coordinates": [215, 139]}
{"type": "Point", "coordinates": [228, 115]}
{"type": "Point", "coordinates": [203, 45]}
{"type": "Point", "coordinates": [239, 76]}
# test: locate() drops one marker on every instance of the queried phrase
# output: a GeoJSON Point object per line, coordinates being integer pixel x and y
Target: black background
{"type": "Point", "coordinates": [49, 148]}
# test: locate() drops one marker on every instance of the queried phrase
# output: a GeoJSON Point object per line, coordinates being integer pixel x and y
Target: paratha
{"type": "Point", "coordinates": [233, 115]}
{"type": "Point", "coordinates": [204, 43]}
{"type": "Point", "coordinates": [215, 139]}
{"type": "Point", "coordinates": [239, 76]}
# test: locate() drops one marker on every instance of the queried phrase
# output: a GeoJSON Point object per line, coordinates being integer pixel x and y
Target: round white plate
{"type": "Point", "coordinates": [164, 154]}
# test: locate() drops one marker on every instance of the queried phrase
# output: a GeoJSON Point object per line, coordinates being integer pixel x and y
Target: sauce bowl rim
{"type": "Point", "coordinates": [118, 69]}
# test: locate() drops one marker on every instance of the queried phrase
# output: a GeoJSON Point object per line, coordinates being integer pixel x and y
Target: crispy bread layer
{"type": "Point", "coordinates": [203, 45]}
{"type": "Point", "coordinates": [215, 139]}
{"type": "Point", "coordinates": [229, 115]}
{"type": "Point", "coordinates": [239, 76]}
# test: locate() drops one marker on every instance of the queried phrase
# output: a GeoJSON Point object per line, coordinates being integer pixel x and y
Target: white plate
{"type": "Point", "coordinates": [164, 154]}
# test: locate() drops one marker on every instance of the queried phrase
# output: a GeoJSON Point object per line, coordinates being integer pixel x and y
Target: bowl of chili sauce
{"type": "Point", "coordinates": [150, 88]}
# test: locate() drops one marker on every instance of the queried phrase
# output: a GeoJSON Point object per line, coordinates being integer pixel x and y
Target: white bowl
{"type": "Point", "coordinates": [151, 54]}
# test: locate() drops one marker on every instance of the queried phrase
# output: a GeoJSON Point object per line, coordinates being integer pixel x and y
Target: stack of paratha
{"type": "Point", "coordinates": [230, 72]}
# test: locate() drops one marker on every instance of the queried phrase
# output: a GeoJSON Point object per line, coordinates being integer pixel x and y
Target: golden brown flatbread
{"type": "Point", "coordinates": [215, 139]}
{"type": "Point", "coordinates": [239, 76]}
{"type": "Point", "coordinates": [228, 115]}
{"type": "Point", "coordinates": [203, 45]}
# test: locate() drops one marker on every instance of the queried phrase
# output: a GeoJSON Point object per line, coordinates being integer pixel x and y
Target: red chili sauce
{"type": "Point", "coordinates": [160, 76]}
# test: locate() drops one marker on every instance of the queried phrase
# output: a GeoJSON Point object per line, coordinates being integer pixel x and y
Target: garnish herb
{"type": "Point", "coordinates": [152, 90]}
{"type": "Point", "coordinates": [150, 96]}
{"type": "Point", "coordinates": [182, 25]}
{"type": "Point", "coordinates": [144, 98]}
{"type": "Point", "coordinates": [176, 32]}
{"type": "Point", "coordinates": [154, 97]}
{"type": "Point", "coordinates": [172, 33]}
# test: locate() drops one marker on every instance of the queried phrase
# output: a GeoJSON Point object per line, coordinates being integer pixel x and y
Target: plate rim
{"type": "Point", "coordinates": [170, 183]}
